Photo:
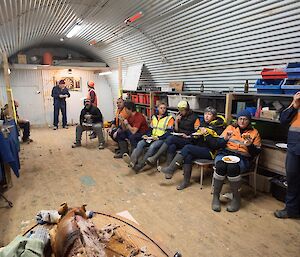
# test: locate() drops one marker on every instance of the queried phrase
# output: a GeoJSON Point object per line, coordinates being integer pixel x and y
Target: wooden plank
{"type": "Point", "coordinates": [228, 107]}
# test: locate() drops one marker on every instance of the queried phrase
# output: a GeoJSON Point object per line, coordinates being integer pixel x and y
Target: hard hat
{"type": "Point", "coordinates": [183, 105]}
{"type": "Point", "coordinates": [91, 84]}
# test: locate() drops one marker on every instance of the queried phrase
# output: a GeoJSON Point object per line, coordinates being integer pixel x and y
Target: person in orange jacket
{"type": "Point", "coordinates": [241, 140]}
{"type": "Point", "coordinates": [291, 116]}
{"type": "Point", "coordinates": [92, 96]}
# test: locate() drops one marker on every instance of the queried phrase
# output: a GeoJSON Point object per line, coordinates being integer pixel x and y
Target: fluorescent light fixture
{"type": "Point", "coordinates": [105, 73]}
{"type": "Point", "coordinates": [74, 31]}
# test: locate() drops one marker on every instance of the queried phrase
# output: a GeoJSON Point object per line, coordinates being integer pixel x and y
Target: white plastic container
{"type": "Point", "coordinates": [192, 100]}
{"type": "Point", "coordinates": [173, 100]}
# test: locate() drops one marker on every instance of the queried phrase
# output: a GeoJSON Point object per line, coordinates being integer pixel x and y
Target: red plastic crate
{"type": "Point", "coordinates": [135, 98]}
{"type": "Point", "coordinates": [268, 73]}
{"type": "Point", "coordinates": [147, 98]}
{"type": "Point", "coordinates": [142, 98]}
{"type": "Point", "coordinates": [148, 111]}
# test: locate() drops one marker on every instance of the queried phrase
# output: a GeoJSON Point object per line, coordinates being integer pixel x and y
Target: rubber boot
{"type": "Point", "coordinates": [235, 184]}
{"type": "Point", "coordinates": [218, 184]}
{"type": "Point", "coordinates": [169, 170]}
{"type": "Point", "coordinates": [187, 169]}
{"type": "Point", "coordinates": [153, 159]}
{"type": "Point", "coordinates": [123, 149]}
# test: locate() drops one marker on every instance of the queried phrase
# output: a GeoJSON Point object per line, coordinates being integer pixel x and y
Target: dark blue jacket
{"type": "Point", "coordinates": [56, 91]}
{"type": "Point", "coordinates": [293, 140]}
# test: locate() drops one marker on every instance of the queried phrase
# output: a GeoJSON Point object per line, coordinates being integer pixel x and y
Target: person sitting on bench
{"type": "Point", "coordinates": [243, 141]}
{"type": "Point", "coordinates": [204, 146]}
{"type": "Point", "coordinates": [186, 123]}
{"type": "Point", "coordinates": [90, 119]}
{"type": "Point", "coordinates": [161, 126]}
{"type": "Point", "coordinates": [133, 129]}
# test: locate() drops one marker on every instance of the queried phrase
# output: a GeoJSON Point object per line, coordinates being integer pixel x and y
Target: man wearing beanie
{"type": "Point", "coordinates": [59, 94]}
{"type": "Point", "coordinates": [90, 119]}
{"type": "Point", "coordinates": [242, 140]}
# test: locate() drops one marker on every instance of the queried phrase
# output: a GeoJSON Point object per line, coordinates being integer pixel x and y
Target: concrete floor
{"type": "Point", "coordinates": [52, 172]}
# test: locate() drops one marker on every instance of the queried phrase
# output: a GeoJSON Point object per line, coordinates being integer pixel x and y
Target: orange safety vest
{"type": "Point", "coordinates": [236, 142]}
{"type": "Point", "coordinates": [295, 124]}
{"type": "Point", "coordinates": [95, 103]}
{"type": "Point", "coordinates": [123, 114]}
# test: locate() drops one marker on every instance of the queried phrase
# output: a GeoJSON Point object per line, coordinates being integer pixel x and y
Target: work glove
{"type": "Point", "coordinates": [42, 234]}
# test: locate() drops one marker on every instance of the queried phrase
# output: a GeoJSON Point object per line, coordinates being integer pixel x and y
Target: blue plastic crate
{"type": "Point", "coordinates": [269, 86]}
{"type": "Point", "coordinates": [293, 70]}
{"type": "Point", "coordinates": [291, 86]}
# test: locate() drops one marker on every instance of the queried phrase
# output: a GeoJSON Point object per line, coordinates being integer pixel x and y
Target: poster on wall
{"type": "Point", "coordinates": [72, 83]}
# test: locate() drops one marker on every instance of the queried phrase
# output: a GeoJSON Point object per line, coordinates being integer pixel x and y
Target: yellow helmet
{"type": "Point", "coordinates": [183, 105]}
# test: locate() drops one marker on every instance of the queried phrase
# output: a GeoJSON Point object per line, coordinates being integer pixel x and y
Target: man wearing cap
{"type": "Point", "coordinates": [92, 94]}
{"type": "Point", "coordinates": [186, 123]}
{"type": "Point", "coordinates": [90, 119]}
{"type": "Point", "coordinates": [59, 94]}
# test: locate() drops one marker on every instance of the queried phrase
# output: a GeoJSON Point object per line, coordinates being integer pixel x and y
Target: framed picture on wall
{"type": "Point", "coordinates": [72, 83]}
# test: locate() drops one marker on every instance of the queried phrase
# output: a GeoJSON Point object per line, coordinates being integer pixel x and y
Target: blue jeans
{"type": "Point", "coordinates": [174, 143]}
{"type": "Point", "coordinates": [138, 151]}
{"type": "Point", "coordinates": [192, 152]}
{"type": "Point", "coordinates": [292, 200]}
{"type": "Point", "coordinates": [63, 108]}
{"type": "Point", "coordinates": [244, 163]}
{"type": "Point", "coordinates": [133, 138]}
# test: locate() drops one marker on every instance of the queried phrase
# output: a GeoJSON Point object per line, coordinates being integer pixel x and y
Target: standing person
{"type": "Point", "coordinates": [59, 94]}
{"type": "Point", "coordinates": [92, 93]}
{"type": "Point", "coordinates": [121, 114]}
{"type": "Point", "coordinates": [242, 140]}
{"type": "Point", "coordinates": [186, 123]}
{"type": "Point", "coordinates": [291, 116]}
{"type": "Point", "coordinates": [204, 146]}
{"type": "Point", "coordinates": [90, 119]}
{"type": "Point", "coordinates": [133, 129]}
{"type": "Point", "coordinates": [161, 126]}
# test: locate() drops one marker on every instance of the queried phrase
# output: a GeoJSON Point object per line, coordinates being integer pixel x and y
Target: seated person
{"type": "Point", "coordinates": [133, 129]}
{"type": "Point", "coordinates": [186, 123]}
{"type": "Point", "coordinates": [161, 126]}
{"type": "Point", "coordinates": [204, 146]}
{"type": "Point", "coordinates": [243, 141]}
{"type": "Point", "coordinates": [23, 124]}
{"type": "Point", "coordinates": [116, 124]}
{"type": "Point", "coordinates": [90, 119]}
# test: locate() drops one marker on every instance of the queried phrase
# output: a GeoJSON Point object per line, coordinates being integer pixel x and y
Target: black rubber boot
{"type": "Point", "coordinates": [169, 170]}
{"type": "Point", "coordinates": [218, 184]}
{"type": "Point", "coordinates": [235, 184]}
{"type": "Point", "coordinates": [187, 170]}
{"type": "Point", "coordinates": [123, 149]}
{"type": "Point", "coordinates": [153, 159]}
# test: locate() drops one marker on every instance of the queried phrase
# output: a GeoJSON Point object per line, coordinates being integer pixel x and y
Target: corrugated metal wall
{"type": "Point", "coordinates": [222, 43]}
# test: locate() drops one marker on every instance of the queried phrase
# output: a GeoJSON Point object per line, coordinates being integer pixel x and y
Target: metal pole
{"type": "Point", "coordinates": [120, 76]}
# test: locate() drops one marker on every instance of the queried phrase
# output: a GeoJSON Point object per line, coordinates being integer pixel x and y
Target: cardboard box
{"type": "Point", "coordinates": [22, 59]}
{"type": "Point", "coordinates": [269, 114]}
{"type": "Point", "coordinates": [178, 85]}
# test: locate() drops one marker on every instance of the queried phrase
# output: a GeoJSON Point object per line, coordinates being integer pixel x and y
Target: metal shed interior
{"type": "Point", "coordinates": [221, 43]}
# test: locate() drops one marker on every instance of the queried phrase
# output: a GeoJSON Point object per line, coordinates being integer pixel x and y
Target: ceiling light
{"type": "Point", "coordinates": [61, 39]}
{"type": "Point", "coordinates": [105, 73]}
{"type": "Point", "coordinates": [74, 31]}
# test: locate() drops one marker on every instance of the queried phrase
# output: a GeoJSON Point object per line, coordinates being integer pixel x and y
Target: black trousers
{"type": "Point", "coordinates": [25, 126]}
{"type": "Point", "coordinates": [292, 199]}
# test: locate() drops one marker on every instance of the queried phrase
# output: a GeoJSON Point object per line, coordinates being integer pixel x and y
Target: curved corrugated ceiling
{"type": "Point", "coordinates": [219, 42]}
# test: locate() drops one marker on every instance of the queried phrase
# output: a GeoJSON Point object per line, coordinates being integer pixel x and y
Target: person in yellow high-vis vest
{"type": "Point", "coordinates": [291, 116]}
{"type": "Point", "coordinates": [161, 126]}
